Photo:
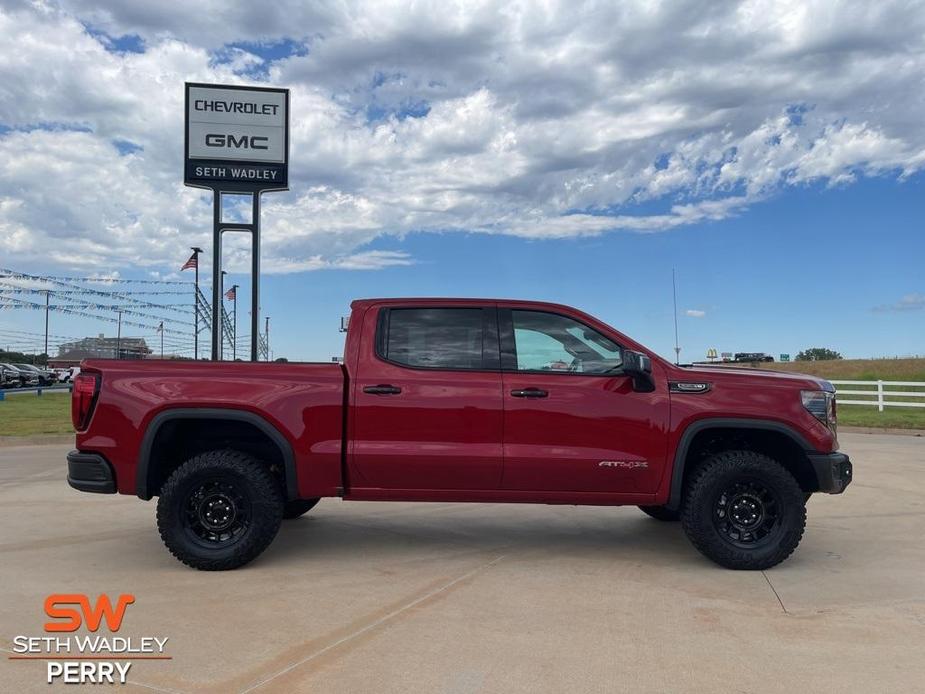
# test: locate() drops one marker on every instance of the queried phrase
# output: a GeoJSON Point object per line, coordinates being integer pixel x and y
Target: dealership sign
{"type": "Point", "coordinates": [237, 138]}
{"type": "Point", "coordinates": [236, 142]}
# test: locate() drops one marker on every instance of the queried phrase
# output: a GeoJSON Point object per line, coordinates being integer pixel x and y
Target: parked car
{"type": "Point", "coordinates": [9, 377]}
{"type": "Point", "coordinates": [460, 400]}
{"type": "Point", "coordinates": [26, 377]}
{"type": "Point", "coordinates": [64, 375]}
{"type": "Point", "coordinates": [45, 377]}
{"type": "Point", "coordinates": [753, 356]}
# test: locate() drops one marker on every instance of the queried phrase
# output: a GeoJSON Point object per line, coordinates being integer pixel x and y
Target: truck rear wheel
{"type": "Point", "coordinates": [298, 507]}
{"type": "Point", "coordinates": [662, 513]}
{"type": "Point", "coordinates": [744, 510]}
{"type": "Point", "coordinates": [219, 510]}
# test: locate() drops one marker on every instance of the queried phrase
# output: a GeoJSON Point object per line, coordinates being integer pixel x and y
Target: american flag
{"type": "Point", "coordinates": [192, 263]}
{"type": "Point", "coordinates": [230, 294]}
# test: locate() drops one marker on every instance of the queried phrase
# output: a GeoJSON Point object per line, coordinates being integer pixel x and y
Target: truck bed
{"type": "Point", "coordinates": [302, 401]}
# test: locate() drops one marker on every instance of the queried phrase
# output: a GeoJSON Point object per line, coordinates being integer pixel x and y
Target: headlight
{"type": "Point", "coordinates": [821, 405]}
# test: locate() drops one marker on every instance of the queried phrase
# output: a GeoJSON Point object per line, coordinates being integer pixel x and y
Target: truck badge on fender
{"type": "Point", "coordinates": [625, 464]}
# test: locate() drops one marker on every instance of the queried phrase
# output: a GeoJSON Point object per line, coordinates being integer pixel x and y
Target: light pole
{"type": "Point", "coordinates": [266, 332]}
{"type": "Point", "coordinates": [119, 338]}
{"type": "Point", "coordinates": [47, 294]}
{"type": "Point", "coordinates": [160, 329]}
{"type": "Point", "coordinates": [221, 316]}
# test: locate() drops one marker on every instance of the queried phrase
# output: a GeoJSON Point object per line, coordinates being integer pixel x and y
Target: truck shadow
{"type": "Point", "coordinates": [541, 530]}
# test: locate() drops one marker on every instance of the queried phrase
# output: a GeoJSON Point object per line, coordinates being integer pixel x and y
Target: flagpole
{"type": "Point", "coordinates": [234, 327]}
{"type": "Point", "coordinates": [196, 252]}
{"type": "Point", "coordinates": [193, 262]}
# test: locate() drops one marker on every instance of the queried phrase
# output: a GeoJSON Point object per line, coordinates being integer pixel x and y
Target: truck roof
{"type": "Point", "coordinates": [452, 300]}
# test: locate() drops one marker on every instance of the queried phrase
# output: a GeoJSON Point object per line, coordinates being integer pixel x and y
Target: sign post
{"type": "Point", "coordinates": [237, 142]}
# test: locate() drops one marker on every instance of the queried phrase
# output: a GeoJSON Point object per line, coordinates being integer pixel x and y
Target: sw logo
{"type": "Point", "coordinates": [57, 607]}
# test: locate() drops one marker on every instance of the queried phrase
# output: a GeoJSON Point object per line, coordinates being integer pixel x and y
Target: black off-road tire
{"type": "Point", "coordinates": [721, 488]}
{"type": "Point", "coordinates": [661, 513]}
{"type": "Point", "coordinates": [239, 484]}
{"type": "Point", "coordinates": [298, 507]}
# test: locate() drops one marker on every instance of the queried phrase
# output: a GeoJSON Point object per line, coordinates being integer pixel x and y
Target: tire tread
{"type": "Point", "coordinates": [708, 542]}
{"type": "Point", "coordinates": [267, 494]}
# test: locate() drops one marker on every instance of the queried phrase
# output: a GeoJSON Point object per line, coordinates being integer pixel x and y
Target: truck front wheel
{"type": "Point", "coordinates": [219, 510]}
{"type": "Point", "coordinates": [744, 510]}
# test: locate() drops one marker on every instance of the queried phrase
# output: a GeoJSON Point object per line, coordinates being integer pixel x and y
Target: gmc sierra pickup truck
{"type": "Point", "coordinates": [460, 400]}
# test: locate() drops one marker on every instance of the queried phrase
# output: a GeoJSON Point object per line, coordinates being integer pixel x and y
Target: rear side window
{"type": "Point", "coordinates": [436, 338]}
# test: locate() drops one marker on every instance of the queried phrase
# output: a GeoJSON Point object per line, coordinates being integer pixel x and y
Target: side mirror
{"type": "Point", "coordinates": [639, 367]}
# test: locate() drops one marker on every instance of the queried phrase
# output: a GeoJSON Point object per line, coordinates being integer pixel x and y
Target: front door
{"type": "Point", "coordinates": [427, 400]}
{"type": "Point", "coordinates": [572, 421]}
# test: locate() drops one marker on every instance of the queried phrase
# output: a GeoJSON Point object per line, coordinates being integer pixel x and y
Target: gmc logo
{"type": "Point", "coordinates": [57, 607]}
{"type": "Point", "coordinates": [242, 142]}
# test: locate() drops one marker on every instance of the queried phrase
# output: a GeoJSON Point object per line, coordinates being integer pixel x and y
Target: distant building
{"type": "Point", "coordinates": [100, 347]}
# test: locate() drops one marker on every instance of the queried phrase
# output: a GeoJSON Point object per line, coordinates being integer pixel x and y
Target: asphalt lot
{"type": "Point", "coordinates": [487, 598]}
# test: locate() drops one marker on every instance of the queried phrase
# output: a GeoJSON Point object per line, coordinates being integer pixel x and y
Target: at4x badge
{"type": "Point", "coordinates": [625, 464]}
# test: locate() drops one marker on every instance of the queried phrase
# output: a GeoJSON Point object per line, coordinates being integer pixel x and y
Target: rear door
{"type": "Point", "coordinates": [427, 400]}
{"type": "Point", "coordinates": [572, 421]}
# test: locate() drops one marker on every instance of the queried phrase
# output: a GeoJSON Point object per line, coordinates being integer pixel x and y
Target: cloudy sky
{"type": "Point", "coordinates": [558, 150]}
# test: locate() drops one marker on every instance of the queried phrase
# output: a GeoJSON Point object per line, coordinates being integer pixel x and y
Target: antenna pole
{"type": "Point", "coordinates": [674, 294]}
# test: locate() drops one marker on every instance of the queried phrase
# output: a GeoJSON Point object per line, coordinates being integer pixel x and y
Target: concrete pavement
{"type": "Point", "coordinates": [396, 597]}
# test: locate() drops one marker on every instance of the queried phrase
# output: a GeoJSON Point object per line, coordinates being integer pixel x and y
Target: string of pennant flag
{"type": "Point", "coordinates": [83, 313]}
{"type": "Point", "coordinates": [136, 307]}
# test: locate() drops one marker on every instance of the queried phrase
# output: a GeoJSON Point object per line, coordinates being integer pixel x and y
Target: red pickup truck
{"type": "Point", "coordinates": [460, 400]}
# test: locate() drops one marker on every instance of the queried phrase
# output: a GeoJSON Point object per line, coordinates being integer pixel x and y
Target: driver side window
{"type": "Point", "coordinates": [550, 342]}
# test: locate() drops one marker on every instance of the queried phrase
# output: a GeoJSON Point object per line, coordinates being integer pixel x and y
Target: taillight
{"type": "Point", "coordinates": [82, 400]}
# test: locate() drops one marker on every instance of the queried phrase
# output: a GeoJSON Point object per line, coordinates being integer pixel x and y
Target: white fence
{"type": "Point", "coordinates": [36, 390]}
{"type": "Point", "coordinates": [879, 391]}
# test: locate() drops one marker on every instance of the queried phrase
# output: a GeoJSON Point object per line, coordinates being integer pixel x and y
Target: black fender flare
{"type": "Point", "coordinates": [147, 442]}
{"type": "Point", "coordinates": [695, 427]}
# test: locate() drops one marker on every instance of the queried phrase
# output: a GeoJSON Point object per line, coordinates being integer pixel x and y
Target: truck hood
{"type": "Point", "coordinates": [783, 378]}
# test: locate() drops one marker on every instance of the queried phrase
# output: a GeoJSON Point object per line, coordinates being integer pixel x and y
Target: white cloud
{"type": "Point", "coordinates": [536, 120]}
{"type": "Point", "coordinates": [909, 302]}
{"type": "Point", "coordinates": [695, 313]}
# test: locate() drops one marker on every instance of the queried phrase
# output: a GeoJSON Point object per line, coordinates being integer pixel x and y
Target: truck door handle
{"type": "Point", "coordinates": [530, 393]}
{"type": "Point", "coordinates": [382, 390]}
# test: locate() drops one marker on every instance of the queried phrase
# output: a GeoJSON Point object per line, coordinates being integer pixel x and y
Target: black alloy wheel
{"type": "Point", "coordinates": [217, 513]}
{"type": "Point", "coordinates": [219, 510]}
{"type": "Point", "coordinates": [743, 510]}
{"type": "Point", "coordinates": [746, 513]}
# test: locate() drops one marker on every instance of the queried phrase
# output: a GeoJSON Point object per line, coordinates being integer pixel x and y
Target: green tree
{"type": "Point", "coordinates": [818, 354]}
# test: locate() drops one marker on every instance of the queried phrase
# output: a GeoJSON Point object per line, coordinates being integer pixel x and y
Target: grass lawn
{"type": "Point", "coordinates": [27, 414]}
{"type": "Point", "coordinates": [910, 369]}
{"type": "Point", "coordinates": [891, 417]}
